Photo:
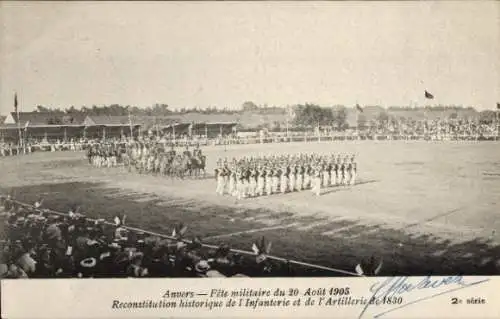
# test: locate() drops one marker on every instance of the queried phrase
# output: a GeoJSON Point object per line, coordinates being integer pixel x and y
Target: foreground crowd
{"type": "Point", "coordinates": [39, 244]}
{"type": "Point", "coordinates": [251, 177]}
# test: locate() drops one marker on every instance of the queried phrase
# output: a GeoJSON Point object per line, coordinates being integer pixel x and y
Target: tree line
{"type": "Point", "coordinates": [298, 116]}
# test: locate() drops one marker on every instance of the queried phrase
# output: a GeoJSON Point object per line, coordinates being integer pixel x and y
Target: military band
{"type": "Point", "coordinates": [267, 175]}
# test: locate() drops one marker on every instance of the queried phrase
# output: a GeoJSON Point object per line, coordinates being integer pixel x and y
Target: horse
{"type": "Point", "coordinates": [150, 166]}
{"type": "Point", "coordinates": [164, 166]}
{"type": "Point", "coordinates": [197, 165]}
{"type": "Point", "coordinates": [179, 166]}
{"type": "Point", "coordinates": [127, 161]}
{"type": "Point", "coordinates": [157, 164]}
{"type": "Point", "coordinates": [90, 154]}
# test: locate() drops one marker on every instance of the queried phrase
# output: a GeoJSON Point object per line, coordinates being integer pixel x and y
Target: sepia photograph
{"type": "Point", "coordinates": [249, 139]}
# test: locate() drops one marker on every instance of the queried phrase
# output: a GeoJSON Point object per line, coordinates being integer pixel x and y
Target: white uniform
{"type": "Point", "coordinates": [353, 173]}
{"type": "Point", "coordinates": [291, 180]}
{"type": "Point", "coordinates": [307, 179]}
{"type": "Point", "coordinates": [239, 186]}
{"type": "Point", "coordinates": [220, 183]}
{"type": "Point", "coordinates": [316, 182]}
{"type": "Point", "coordinates": [253, 184]}
{"type": "Point", "coordinates": [269, 177]}
{"type": "Point", "coordinates": [261, 183]}
{"type": "Point", "coordinates": [232, 184]}
{"type": "Point", "coordinates": [299, 181]}
{"type": "Point", "coordinates": [325, 181]}
{"type": "Point", "coordinates": [284, 180]}
{"type": "Point", "coordinates": [275, 181]}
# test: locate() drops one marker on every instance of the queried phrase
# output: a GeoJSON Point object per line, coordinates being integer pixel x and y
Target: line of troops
{"type": "Point", "coordinates": [14, 149]}
{"type": "Point", "coordinates": [263, 176]}
{"type": "Point", "coordinates": [11, 149]}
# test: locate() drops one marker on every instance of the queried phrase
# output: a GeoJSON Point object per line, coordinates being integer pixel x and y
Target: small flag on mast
{"type": "Point", "coordinates": [428, 95]}
{"type": "Point", "coordinates": [15, 103]}
{"type": "Point", "coordinates": [359, 108]}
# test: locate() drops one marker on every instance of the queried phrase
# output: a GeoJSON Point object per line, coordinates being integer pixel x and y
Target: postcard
{"type": "Point", "coordinates": [249, 159]}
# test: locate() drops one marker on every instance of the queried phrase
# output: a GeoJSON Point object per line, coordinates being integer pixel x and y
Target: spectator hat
{"type": "Point", "coordinates": [202, 266]}
{"type": "Point", "coordinates": [90, 262]}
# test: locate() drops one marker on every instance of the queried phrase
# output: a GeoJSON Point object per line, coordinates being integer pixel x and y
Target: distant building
{"type": "Point", "coordinates": [41, 125]}
{"type": "Point", "coordinates": [103, 126]}
{"type": "Point", "coordinates": [44, 118]}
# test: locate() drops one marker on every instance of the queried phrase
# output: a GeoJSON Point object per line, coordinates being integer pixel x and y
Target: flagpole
{"type": "Point", "coordinates": [287, 128]}
{"type": "Point", "coordinates": [497, 120]}
{"type": "Point", "coordinates": [18, 119]}
{"type": "Point", "coordinates": [357, 120]}
{"type": "Point", "coordinates": [19, 130]}
{"type": "Point", "coordinates": [130, 126]}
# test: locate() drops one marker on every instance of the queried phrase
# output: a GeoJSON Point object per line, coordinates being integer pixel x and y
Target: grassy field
{"type": "Point", "coordinates": [425, 208]}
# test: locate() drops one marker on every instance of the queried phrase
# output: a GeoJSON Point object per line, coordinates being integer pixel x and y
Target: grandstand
{"type": "Point", "coordinates": [63, 127]}
{"type": "Point", "coordinates": [207, 129]}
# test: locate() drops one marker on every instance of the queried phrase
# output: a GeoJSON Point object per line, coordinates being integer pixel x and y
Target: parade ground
{"type": "Point", "coordinates": [423, 207]}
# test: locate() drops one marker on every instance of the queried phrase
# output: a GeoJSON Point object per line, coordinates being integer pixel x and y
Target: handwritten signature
{"type": "Point", "coordinates": [398, 286]}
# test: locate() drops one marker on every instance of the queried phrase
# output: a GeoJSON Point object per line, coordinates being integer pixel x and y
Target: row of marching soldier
{"type": "Point", "coordinates": [263, 176]}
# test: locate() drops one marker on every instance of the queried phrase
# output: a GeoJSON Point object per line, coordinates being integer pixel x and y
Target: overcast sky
{"type": "Point", "coordinates": [222, 54]}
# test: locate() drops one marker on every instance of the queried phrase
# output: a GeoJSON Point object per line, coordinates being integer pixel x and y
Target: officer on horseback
{"type": "Point", "coordinates": [172, 151]}
{"type": "Point", "coordinates": [197, 151]}
{"type": "Point", "coordinates": [187, 153]}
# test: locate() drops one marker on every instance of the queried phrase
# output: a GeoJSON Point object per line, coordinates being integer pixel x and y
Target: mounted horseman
{"type": "Point", "coordinates": [198, 162]}
{"type": "Point", "coordinates": [186, 152]}
{"type": "Point", "coordinates": [90, 153]}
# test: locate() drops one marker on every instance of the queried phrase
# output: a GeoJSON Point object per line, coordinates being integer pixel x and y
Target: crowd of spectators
{"type": "Point", "coordinates": [39, 243]}
{"type": "Point", "coordinates": [435, 129]}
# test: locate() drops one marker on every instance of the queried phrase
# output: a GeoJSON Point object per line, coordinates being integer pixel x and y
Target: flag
{"type": "Point", "coordinates": [359, 270]}
{"type": "Point", "coordinates": [428, 95]}
{"type": "Point", "coordinates": [359, 108]}
{"type": "Point", "coordinates": [268, 248]}
{"type": "Point", "coordinates": [182, 229]}
{"type": "Point", "coordinates": [498, 106]}
{"type": "Point", "coordinates": [255, 249]}
{"type": "Point", "coordinates": [15, 104]}
{"type": "Point", "coordinates": [179, 230]}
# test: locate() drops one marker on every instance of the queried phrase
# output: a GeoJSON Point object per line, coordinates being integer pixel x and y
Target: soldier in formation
{"type": "Point", "coordinates": [10, 149]}
{"type": "Point", "coordinates": [267, 175]}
